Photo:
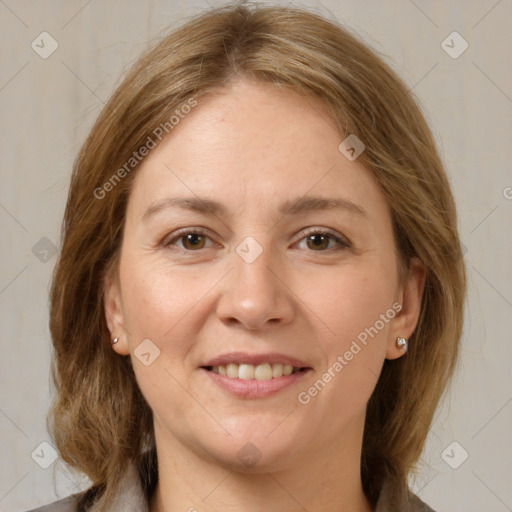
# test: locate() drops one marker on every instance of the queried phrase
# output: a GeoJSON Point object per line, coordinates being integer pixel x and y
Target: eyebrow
{"type": "Point", "coordinates": [292, 207]}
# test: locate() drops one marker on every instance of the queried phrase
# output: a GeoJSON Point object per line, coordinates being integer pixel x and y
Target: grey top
{"type": "Point", "coordinates": [131, 498]}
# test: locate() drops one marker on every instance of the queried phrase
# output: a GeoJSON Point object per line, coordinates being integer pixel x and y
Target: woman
{"type": "Point", "coordinates": [259, 297]}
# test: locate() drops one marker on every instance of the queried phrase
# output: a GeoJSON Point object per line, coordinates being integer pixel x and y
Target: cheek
{"type": "Point", "coordinates": [157, 299]}
{"type": "Point", "coordinates": [354, 307]}
{"type": "Point", "coordinates": [348, 301]}
{"type": "Point", "coordinates": [158, 305]}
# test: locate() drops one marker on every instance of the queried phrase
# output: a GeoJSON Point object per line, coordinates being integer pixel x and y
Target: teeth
{"type": "Point", "coordinates": [232, 371]}
{"type": "Point", "coordinates": [246, 371]}
{"type": "Point", "coordinates": [265, 371]}
{"type": "Point", "coordinates": [277, 370]}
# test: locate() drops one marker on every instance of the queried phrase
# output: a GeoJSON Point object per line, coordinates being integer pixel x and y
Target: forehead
{"type": "Point", "coordinates": [253, 145]}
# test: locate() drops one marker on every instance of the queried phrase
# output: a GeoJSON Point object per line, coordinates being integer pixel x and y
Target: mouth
{"type": "Point", "coordinates": [247, 371]}
{"type": "Point", "coordinates": [247, 375]}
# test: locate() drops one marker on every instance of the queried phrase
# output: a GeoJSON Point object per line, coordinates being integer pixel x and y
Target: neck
{"type": "Point", "coordinates": [315, 481]}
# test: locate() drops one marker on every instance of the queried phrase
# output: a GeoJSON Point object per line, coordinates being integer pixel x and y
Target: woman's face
{"type": "Point", "coordinates": [252, 240]}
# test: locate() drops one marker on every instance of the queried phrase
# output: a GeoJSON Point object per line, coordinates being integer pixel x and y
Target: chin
{"type": "Point", "coordinates": [252, 458]}
{"type": "Point", "coordinates": [257, 449]}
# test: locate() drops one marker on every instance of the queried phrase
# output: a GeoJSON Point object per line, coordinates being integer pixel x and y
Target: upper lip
{"type": "Point", "coordinates": [255, 359]}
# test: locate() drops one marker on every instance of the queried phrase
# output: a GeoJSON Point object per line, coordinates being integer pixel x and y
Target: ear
{"type": "Point", "coordinates": [410, 295]}
{"type": "Point", "coordinates": [114, 313]}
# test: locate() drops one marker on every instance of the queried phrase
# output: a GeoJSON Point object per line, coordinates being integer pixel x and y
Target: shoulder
{"type": "Point", "coordinates": [419, 506]}
{"type": "Point", "coordinates": [407, 503]}
{"type": "Point", "coordinates": [69, 504]}
{"type": "Point", "coordinates": [130, 496]}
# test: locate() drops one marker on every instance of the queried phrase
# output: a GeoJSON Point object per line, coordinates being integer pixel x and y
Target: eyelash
{"type": "Point", "coordinates": [178, 235]}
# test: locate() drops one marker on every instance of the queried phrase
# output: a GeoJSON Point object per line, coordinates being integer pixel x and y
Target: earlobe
{"type": "Point", "coordinates": [406, 320]}
{"type": "Point", "coordinates": [114, 316]}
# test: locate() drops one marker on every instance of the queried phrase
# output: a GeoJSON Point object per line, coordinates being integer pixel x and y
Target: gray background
{"type": "Point", "coordinates": [49, 105]}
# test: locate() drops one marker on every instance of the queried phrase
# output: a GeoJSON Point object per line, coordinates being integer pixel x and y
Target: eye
{"type": "Point", "coordinates": [191, 240]}
{"type": "Point", "coordinates": [319, 240]}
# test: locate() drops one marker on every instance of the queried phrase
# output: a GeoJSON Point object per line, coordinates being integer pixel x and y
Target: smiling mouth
{"type": "Point", "coordinates": [264, 371]}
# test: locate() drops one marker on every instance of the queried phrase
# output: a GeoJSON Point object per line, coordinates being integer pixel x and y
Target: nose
{"type": "Point", "coordinates": [257, 294]}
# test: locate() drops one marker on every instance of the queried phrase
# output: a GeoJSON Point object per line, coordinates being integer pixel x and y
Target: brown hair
{"type": "Point", "coordinates": [99, 419]}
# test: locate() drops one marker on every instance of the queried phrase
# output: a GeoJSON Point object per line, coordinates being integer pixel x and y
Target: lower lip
{"type": "Point", "coordinates": [252, 388]}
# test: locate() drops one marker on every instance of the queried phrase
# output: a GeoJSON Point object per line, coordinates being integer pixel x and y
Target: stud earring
{"type": "Point", "coordinates": [114, 341]}
{"type": "Point", "coordinates": [402, 343]}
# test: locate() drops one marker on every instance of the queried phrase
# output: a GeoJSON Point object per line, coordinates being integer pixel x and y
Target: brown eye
{"type": "Point", "coordinates": [192, 241]}
{"type": "Point", "coordinates": [318, 241]}
{"type": "Point", "coordinates": [187, 240]}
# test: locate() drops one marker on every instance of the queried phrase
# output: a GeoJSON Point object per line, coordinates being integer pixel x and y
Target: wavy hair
{"type": "Point", "coordinates": [99, 419]}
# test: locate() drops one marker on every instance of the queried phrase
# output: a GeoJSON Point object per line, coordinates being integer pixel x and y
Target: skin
{"type": "Point", "coordinates": [252, 148]}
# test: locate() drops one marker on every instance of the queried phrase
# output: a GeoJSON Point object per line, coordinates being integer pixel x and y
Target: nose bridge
{"type": "Point", "coordinates": [253, 294]}
{"type": "Point", "coordinates": [254, 260]}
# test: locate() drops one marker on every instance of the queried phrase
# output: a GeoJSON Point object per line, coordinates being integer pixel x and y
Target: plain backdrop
{"type": "Point", "coordinates": [49, 104]}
